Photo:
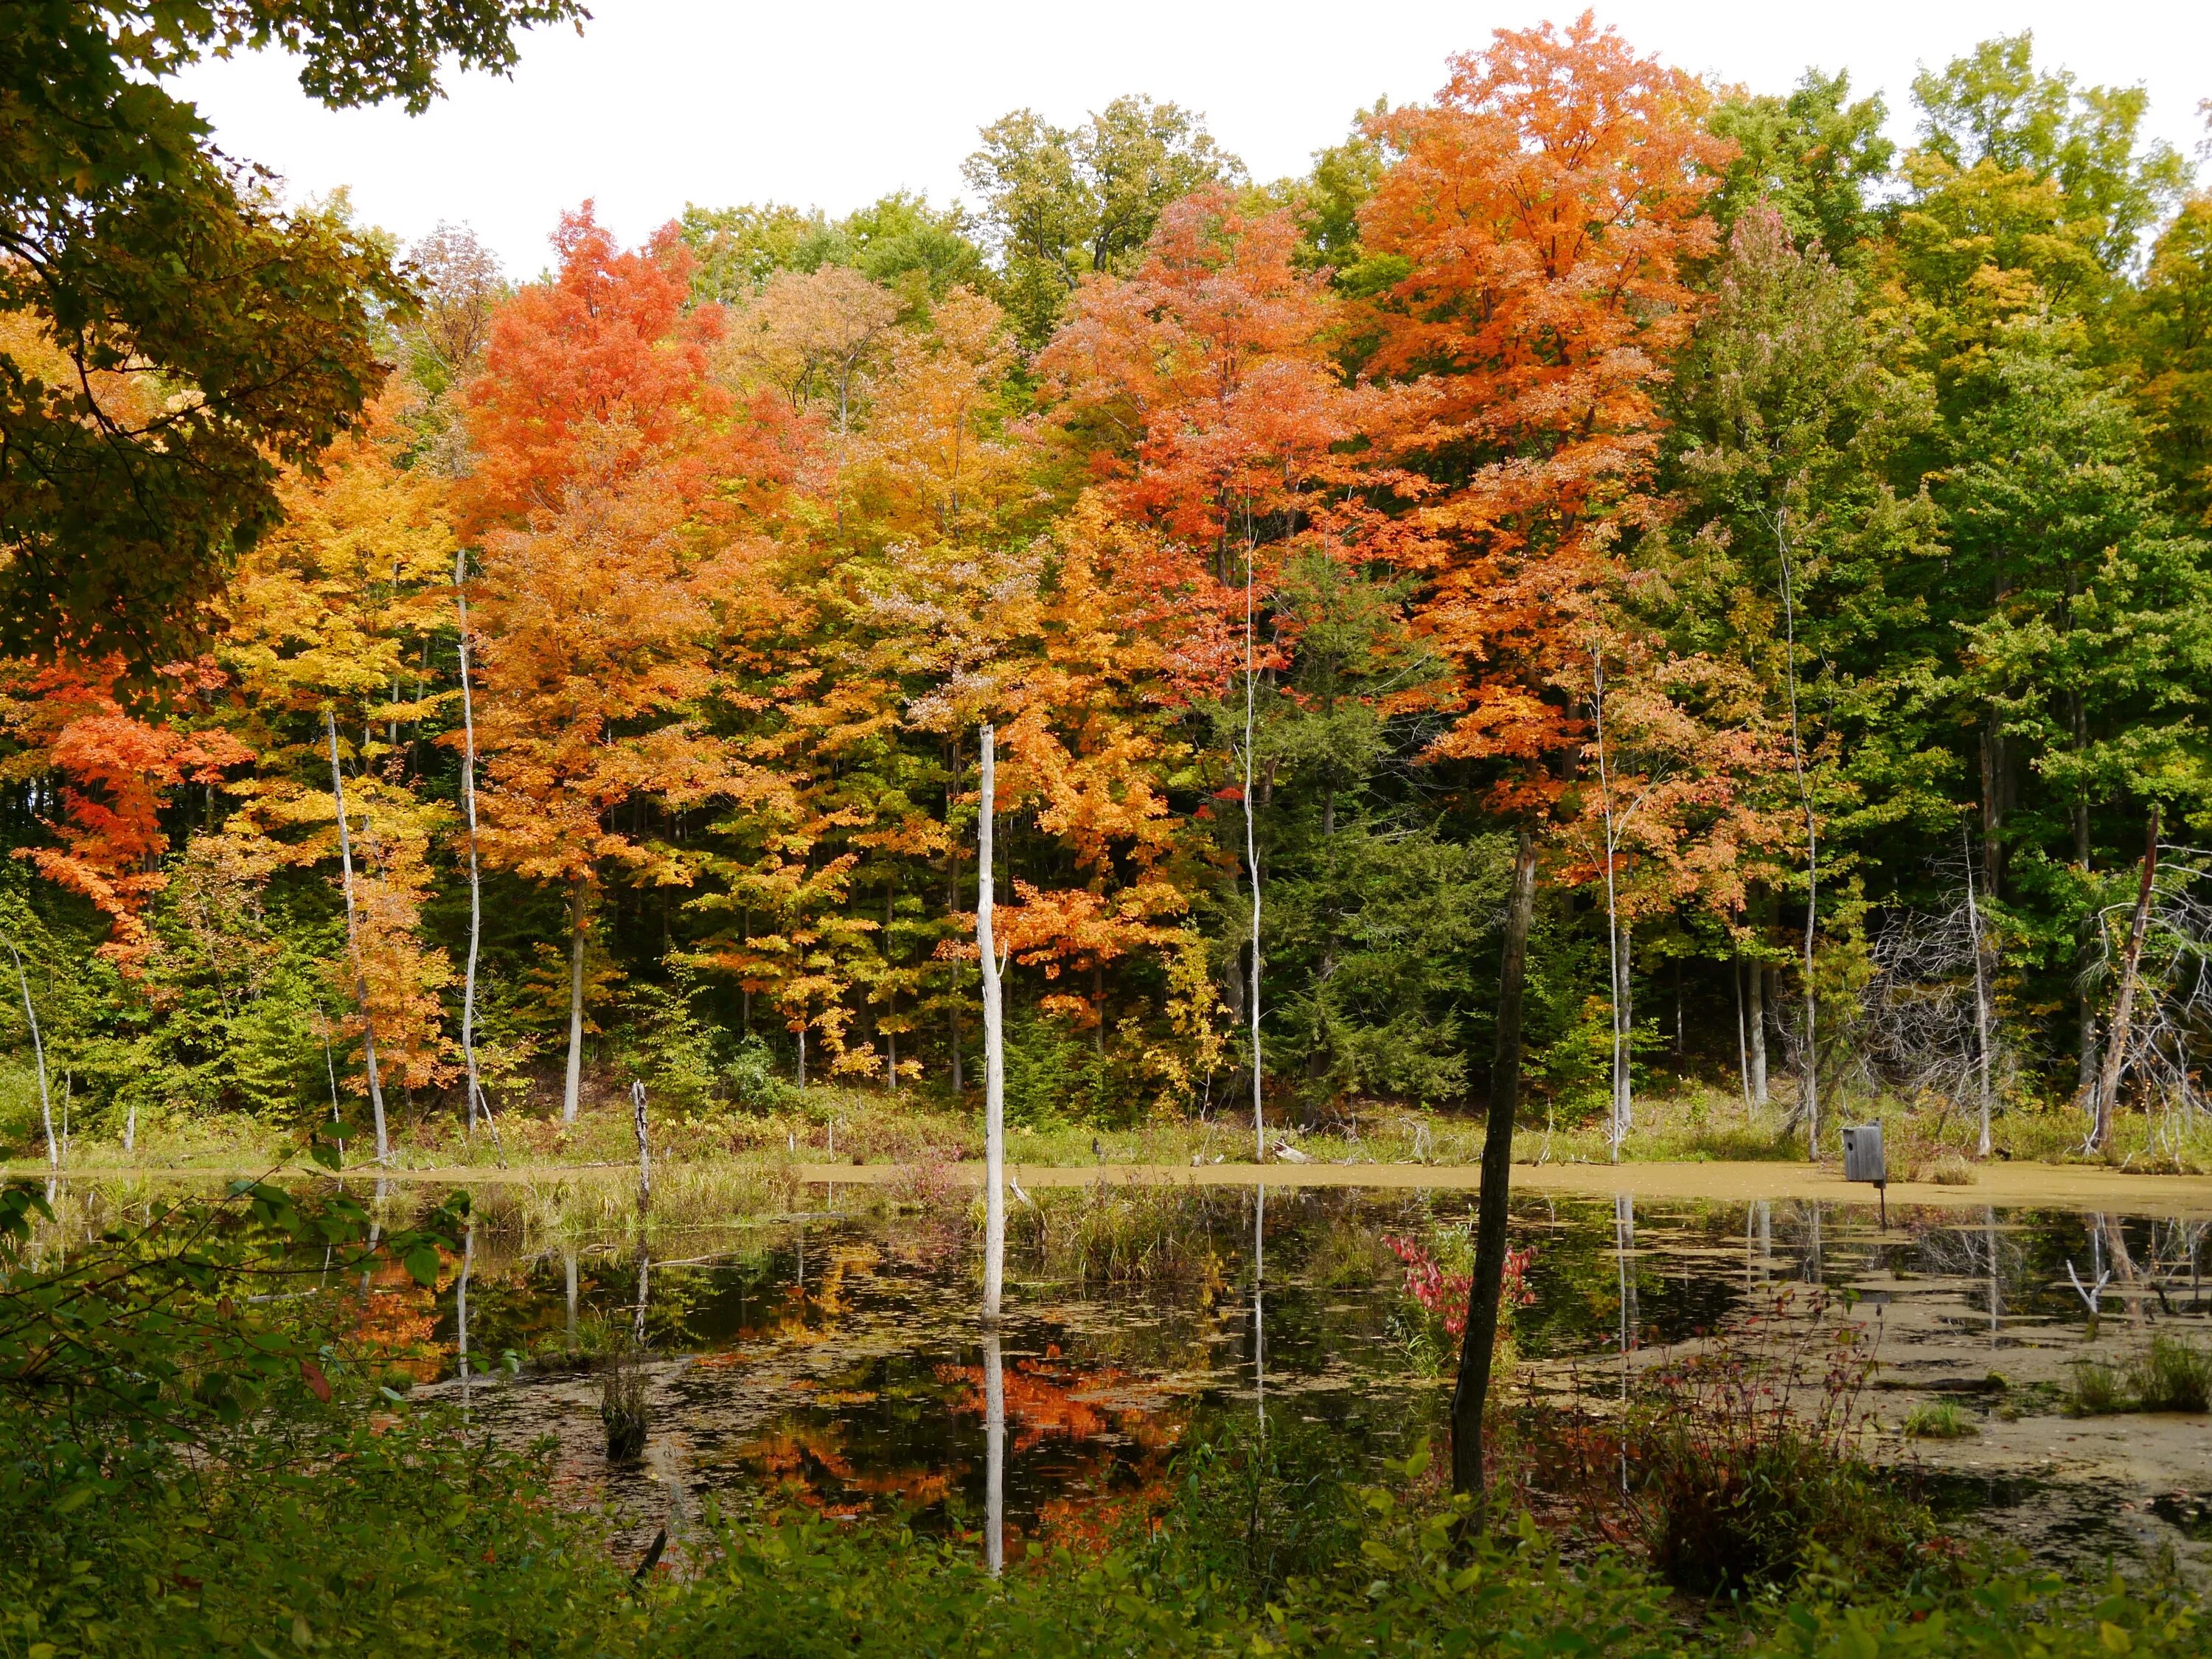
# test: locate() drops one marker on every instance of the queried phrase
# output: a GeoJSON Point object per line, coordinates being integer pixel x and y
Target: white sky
{"type": "Point", "coordinates": [828, 104]}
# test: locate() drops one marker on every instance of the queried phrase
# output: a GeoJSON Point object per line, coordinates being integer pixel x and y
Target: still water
{"type": "Point", "coordinates": [833, 1357]}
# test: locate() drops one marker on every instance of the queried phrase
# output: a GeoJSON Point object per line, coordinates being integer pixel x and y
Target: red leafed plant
{"type": "Point", "coordinates": [1443, 1292]}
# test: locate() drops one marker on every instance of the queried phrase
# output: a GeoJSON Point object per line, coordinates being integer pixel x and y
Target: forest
{"type": "Point", "coordinates": [1622, 625]}
{"type": "Point", "coordinates": [1803, 540]}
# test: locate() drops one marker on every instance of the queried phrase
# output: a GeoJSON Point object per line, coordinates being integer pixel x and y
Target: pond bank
{"type": "Point", "coordinates": [1999, 1183]}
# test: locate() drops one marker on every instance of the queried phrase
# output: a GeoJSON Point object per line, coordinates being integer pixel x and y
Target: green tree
{"type": "Point", "coordinates": [2087, 666]}
{"type": "Point", "coordinates": [1813, 155]}
{"type": "Point", "coordinates": [899, 239]}
{"type": "Point", "coordinates": [2173, 355]}
{"type": "Point", "coordinates": [170, 331]}
{"type": "Point", "coordinates": [1061, 202]}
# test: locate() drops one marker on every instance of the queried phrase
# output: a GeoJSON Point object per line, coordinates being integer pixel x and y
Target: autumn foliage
{"type": "Point", "coordinates": [1586, 450]}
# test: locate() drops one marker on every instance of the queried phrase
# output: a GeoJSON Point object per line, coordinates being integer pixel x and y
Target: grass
{"type": "Point", "coordinates": [2172, 1375]}
{"type": "Point", "coordinates": [623, 1408]}
{"type": "Point", "coordinates": [2095, 1390]}
{"type": "Point", "coordinates": [925, 1127]}
{"type": "Point", "coordinates": [1939, 1420]}
{"type": "Point", "coordinates": [1116, 1234]}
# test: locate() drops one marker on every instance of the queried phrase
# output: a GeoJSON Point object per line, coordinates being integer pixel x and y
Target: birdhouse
{"type": "Point", "coordinates": [1862, 1155]}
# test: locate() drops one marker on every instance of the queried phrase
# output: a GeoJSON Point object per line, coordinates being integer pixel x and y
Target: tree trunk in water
{"type": "Point", "coordinates": [1472, 1388]}
{"type": "Point", "coordinates": [2116, 1041]}
{"type": "Point", "coordinates": [644, 1155]}
{"type": "Point", "coordinates": [572, 1093]}
{"type": "Point", "coordinates": [353, 941]}
{"type": "Point", "coordinates": [994, 1457]}
{"type": "Point", "coordinates": [995, 1070]}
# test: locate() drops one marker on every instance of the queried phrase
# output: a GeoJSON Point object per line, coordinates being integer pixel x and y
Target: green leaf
{"type": "Point", "coordinates": [77, 1496]}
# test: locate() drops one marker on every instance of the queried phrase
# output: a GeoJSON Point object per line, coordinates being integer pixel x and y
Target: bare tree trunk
{"type": "Point", "coordinates": [1252, 871]}
{"type": "Point", "coordinates": [1809, 1088]}
{"type": "Point", "coordinates": [1616, 1128]}
{"type": "Point", "coordinates": [2115, 1040]}
{"type": "Point", "coordinates": [1624, 1084]}
{"type": "Point", "coordinates": [1472, 1390]}
{"type": "Point", "coordinates": [1755, 982]}
{"type": "Point", "coordinates": [475, 885]}
{"type": "Point", "coordinates": [38, 1053]}
{"type": "Point", "coordinates": [353, 942]}
{"type": "Point", "coordinates": [644, 1154]}
{"type": "Point", "coordinates": [994, 1059]}
{"type": "Point", "coordinates": [573, 1089]}
{"type": "Point", "coordinates": [1736, 970]}
{"type": "Point", "coordinates": [1981, 1003]}
{"type": "Point", "coordinates": [890, 998]}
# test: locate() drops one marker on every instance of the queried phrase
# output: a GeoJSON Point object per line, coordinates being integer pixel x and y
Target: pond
{"type": "Point", "coordinates": [833, 1355]}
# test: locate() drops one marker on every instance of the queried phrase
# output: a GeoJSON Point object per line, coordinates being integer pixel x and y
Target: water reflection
{"type": "Point", "coordinates": [836, 1361]}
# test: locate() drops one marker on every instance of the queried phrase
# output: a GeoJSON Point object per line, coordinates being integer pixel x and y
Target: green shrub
{"type": "Point", "coordinates": [1748, 1465]}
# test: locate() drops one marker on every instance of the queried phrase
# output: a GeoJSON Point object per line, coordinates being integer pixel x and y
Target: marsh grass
{"type": "Point", "coordinates": [2172, 1375]}
{"type": "Point", "coordinates": [1939, 1420]}
{"type": "Point", "coordinates": [1104, 1234]}
{"type": "Point", "coordinates": [1946, 1169]}
{"type": "Point", "coordinates": [1351, 1253]}
{"type": "Point", "coordinates": [2095, 1390]}
{"type": "Point", "coordinates": [623, 1407]}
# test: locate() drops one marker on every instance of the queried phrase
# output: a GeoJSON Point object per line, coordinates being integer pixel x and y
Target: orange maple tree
{"type": "Point", "coordinates": [1544, 206]}
{"type": "Point", "coordinates": [117, 769]}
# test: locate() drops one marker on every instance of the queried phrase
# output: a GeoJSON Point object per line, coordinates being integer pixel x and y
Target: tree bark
{"type": "Point", "coordinates": [1983, 978]}
{"type": "Point", "coordinates": [353, 941]}
{"type": "Point", "coordinates": [476, 883]}
{"type": "Point", "coordinates": [38, 1053]}
{"type": "Point", "coordinates": [994, 1066]}
{"type": "Point", "coordinates": [572, 1093]}
{"type": "Point", "coordinates": [2116, 1041]}
{"type": "Point", "coordinates": [1755, 981]}
{"type": "Point", "coordinates": [1472, 1391]}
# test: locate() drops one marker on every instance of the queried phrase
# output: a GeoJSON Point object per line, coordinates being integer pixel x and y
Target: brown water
{"type": "Point", "coordinates": [834, 1356]}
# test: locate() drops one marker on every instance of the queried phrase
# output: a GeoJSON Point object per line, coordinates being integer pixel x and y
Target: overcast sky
{"type": "Point", "coordinates": [662, 102]}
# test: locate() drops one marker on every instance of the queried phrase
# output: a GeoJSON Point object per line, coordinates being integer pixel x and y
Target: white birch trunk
{"type": "Point", "coordinates": [1981, 1003]}
{"type": "Point", "coordinates": [1809, 1099]}
{"type": "Point", "coordinates": [353, 943]}
{"type": "Point", "coordinates": [477, 1099]}
{"type": "Point", "coordinates": [573, 1088]}
{"type": "Point", "coordinates": [1252, 871]}
{"type": "Point", "coordinates": [994, 1058]}
{"type": "Point", "coordinates": [38, 1053]}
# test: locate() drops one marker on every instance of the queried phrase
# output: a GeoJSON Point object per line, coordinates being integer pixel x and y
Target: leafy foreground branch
{"type": "Point", "coordinates": [408, 1540]}
{"type": "Point", "coordinates": [192, 1462]}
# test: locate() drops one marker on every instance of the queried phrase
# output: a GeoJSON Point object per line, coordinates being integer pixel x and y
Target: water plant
{"type": "Point", "coordinates": [2095, 1390]}
{"type": "Point", "coordinates": [1736, 1466]}
{"type": "Point", "coordinates": [1939, 1420]}
{"type": "Point", "coordinates": [1117, 1233]}
{"type": "Point", "coordinates": [623, 1408]}
{"type": "Point", "coordinates": [2172, 1375]}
